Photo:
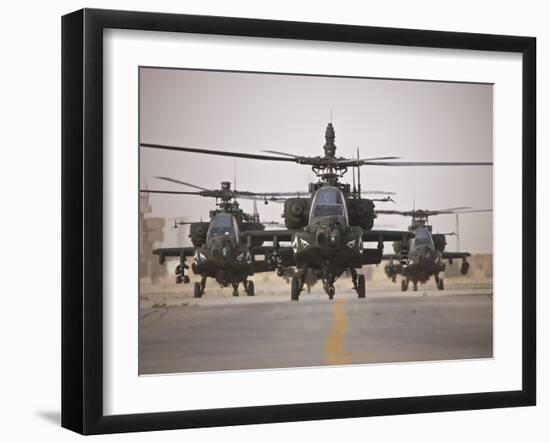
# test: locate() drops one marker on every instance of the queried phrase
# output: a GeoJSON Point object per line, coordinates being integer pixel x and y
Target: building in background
{"type": "Point", "coordinates": [150, 232]}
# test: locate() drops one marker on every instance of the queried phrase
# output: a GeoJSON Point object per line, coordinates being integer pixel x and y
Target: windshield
{"type": "Point", "coordinates": [328, 202]}
{"type": "Point", "coordinates": [422, 237]}
{"type": "Point", "coordinates": [221, 224]}
{"type": "Point", "coordinates": [328, 196]}
{"type": "Point", "coordinates": [321, 210]}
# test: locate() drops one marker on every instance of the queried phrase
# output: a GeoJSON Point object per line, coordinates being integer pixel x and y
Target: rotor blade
{"type": "Point", "coordinates": [284, 194]}
{"type": "Point", "coordinates": [377, 163]}
{"type": "Point", "coordinates": [269, 194]}
{"type": "Point", "coordinates": [150, 191]}
{"type": "Point", "coordinates": [281, 153]}
{"type": "Point", "coordinates": [474, 211]}
{"type": "Point", "coordinates": [427, 212]}
{"type": "Point", "coordinates": [389, 212]}
{"type": "Point", "coordinates": [215, 194]}
{"type": "Point", "coordinates": [449, 210]}
{"type": "Point", "coordinates": [213, 152]}
{"type": "Point", "coordinates": [374, 192]}
{"type": "Point", "coordinates": [306, 193]}
{"type": "Point", "coordinates": [244, 196]}
{"type": "Point", "coordinates": [260, 198]}
{"type": "Point", "coordinates": [361, 161]}
{"type": "Point", "coordinates": [235, 192]}
{"type": "Point", "coordinates": [270, 199]}
{"type": "Point", "coordinates": [173, 180]}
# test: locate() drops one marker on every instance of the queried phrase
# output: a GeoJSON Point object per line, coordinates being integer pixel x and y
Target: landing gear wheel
{"type": "Point", "coordinates": [186, 279]}
{"type": "Point", "coordinates": [330, 292]}
{"type": "Point", "coordinates": [415, 286]}
{"type": "Point", "coordinates": [178, 279]}
{"type": "Point", "coordinates": [361, 286]}
{"type": "Point", "coordinates": [440, 284]}
{"type": "Point", "coordinates": [294, 289]}
{"type": "Point", "coordinates": [197, 290]}
{"type": "Point", "coordinates": [393, 278]}
{"type": "Point", "coordinates": [250, 288]}
{"type": "Point", "coordinates": [404, 285]}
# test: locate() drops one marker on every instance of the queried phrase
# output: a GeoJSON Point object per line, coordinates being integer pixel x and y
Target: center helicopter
{"type": "Point", "coordinates": [326, 230]}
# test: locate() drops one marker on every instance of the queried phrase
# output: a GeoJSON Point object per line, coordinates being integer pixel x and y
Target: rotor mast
{"type": "Point", "coordinates": [327, 167]}
{"type": "Point", "coordinates": [227, 202]}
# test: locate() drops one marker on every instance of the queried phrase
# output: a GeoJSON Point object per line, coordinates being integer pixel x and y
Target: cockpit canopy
{"type": "Point", "coordinates": [223, 225]}
{"type": "Point", "coordinates": [422, 236]}
{"type": "Point", "coordinates": [328, 201]}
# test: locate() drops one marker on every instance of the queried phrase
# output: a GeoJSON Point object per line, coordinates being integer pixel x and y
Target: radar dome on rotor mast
{"type": "Point", "coordinates": [330, 147]}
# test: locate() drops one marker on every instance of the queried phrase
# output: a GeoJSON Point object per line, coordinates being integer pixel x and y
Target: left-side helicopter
{"type": "Point", "coordinates": [218, 250]}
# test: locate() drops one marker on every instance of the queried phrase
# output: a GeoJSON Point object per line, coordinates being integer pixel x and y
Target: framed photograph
{"type": "Point", "coordinates": [269, 221]}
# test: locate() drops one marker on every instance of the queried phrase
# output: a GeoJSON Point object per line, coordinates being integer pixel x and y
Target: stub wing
{"type": "Point", "coordinates": [282, 235]}
{"type": "Point", "coordinates": [375, 235]}
{"type": "Point", "coordinates": [173, 252]}
{"type": "Point", "coordinates": [284, 256]}
{"type": "Point", "coordinates": [455, 255]}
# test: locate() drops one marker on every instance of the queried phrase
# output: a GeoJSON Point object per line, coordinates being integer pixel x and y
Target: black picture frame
{"type": "Point", "coordinates": [82, 240]}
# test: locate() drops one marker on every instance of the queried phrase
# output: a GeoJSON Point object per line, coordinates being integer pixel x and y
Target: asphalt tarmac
{"type": "Point", "coordinates": [218, 334]}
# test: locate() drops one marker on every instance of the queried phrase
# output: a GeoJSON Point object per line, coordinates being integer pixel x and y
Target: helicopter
{"type": "Point", "coordinates": [326, 230]}
{"type": "Point", "coordinates": [426, 253]}
{"type": "Point", "coordinates": [217, 250]}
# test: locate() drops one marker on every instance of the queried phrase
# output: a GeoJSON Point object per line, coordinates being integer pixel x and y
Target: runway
{"type": "Point", "coordinates": [225, 333]}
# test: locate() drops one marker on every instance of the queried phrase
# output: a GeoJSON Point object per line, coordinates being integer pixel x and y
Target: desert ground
{"type": "Point", "coordinates": [219, 332]}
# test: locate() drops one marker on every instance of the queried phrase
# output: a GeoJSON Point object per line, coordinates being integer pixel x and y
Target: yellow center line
{"type": "Point", "coordinates": [335, 347]}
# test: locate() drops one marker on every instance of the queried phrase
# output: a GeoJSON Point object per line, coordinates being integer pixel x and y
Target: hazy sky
{"type": "Point", "coordinates": [252, 112]}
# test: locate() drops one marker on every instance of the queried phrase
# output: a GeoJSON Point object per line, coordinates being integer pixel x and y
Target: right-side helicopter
{"type": "Point", "coordinates": [326, 230]}
{"type": "Point", "coordinates": [425, 253]}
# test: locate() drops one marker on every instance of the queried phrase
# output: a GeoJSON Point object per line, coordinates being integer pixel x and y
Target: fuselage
{"type": "Point", "coordinates": [328, 236]}
{"type": "Point", "coordinates": [424, 259]}
{"type": "Point", "coordinates": [223, 257]}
